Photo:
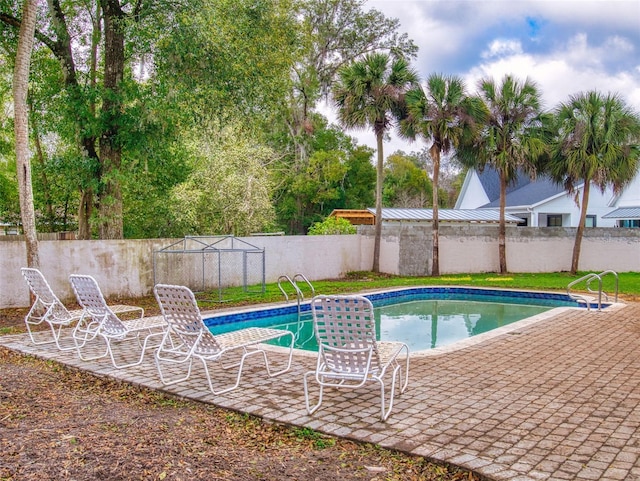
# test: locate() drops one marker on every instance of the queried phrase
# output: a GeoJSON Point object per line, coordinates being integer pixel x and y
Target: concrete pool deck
{"type": "Point", "coordinates": [557, 399]}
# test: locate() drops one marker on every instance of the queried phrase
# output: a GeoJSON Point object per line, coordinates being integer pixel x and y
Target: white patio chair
{"type": "Point", "coordinates": [349, 356]}
{"type": "Point", "coordinates": [100, 321]}
{"type": "Point", "coordinates": [188, 338]}
{"type": "Point", "coordinates": [47, 308]}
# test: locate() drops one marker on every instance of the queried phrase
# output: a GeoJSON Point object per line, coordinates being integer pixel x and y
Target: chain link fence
{"type": "Point", "coordinates": [211, 264]}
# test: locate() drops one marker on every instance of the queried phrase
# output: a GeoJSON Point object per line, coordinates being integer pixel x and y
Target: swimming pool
{"type": "Point", "coordinates": [423, 317]}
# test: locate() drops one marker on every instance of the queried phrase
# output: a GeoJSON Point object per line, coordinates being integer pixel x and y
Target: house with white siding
{"type": "Point", "coordinates": [626, 212]}
{"type": "Point", "coordinates": [540, 202]}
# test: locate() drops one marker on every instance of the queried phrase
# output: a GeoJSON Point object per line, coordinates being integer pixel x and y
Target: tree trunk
{"type": "Point", "coordinates": [110, 196]}
{"type": "Point", "coordinates": [575, 258]}
{"type": "Point", "coordinates": [378, 226]}
{"type": "Point", "coordinates": [46, 189]}
{"type": "Point", "coordinates": [435, 265]}
{"type": "Point", "coordinates": [61, 48]}
{"type": "Point", "coordinates": [21, 118]}
{"type": "Point", "coordinates": [84, 214]}
{"type": "Point", "coordinates": [502, 230]}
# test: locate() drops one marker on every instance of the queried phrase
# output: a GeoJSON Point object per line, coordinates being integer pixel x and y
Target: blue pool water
{"type": "Point", "coordinates": [424, 318]}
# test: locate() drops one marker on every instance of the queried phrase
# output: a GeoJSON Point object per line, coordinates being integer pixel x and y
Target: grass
{"type": "Point", "coordinates": [628, 285]}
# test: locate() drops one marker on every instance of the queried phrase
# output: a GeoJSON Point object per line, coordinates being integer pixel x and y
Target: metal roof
{"type": "Point", "coordinates": [447, 215]}
{"type": "Point", "coordinates": [623, 213]}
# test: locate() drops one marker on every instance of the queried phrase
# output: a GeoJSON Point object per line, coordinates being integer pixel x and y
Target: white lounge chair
{"type": "Point", "coordinates": [188, 338]}
{"type": "Point", "coordinates": [349, 356]}
{"type": "Point", "coordinates": [47, 308]}
{"type": "Point", "coordinates": [99, 320]}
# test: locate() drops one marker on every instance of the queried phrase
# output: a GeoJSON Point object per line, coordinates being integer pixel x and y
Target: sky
{"type": "Point", "coordinates": [564, 46]}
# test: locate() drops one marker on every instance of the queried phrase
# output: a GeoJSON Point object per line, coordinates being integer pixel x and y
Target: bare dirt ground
{"type": "Point", "coordinates": [58, 423]}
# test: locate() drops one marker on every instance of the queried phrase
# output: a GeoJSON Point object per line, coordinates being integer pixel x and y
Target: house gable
{"type": "Point", "coordinates": [473, 194]}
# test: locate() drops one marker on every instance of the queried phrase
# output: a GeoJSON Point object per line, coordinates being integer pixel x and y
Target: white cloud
{"type": "Point", "coordinates": [501, 48]}
{"type": "Point", "coordinates": [565, 46]}
{"type": "Point", "coordinates": [574, 67]}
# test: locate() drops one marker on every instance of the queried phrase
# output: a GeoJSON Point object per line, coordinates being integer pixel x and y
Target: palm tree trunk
{"type": "Point", "coordinates": [435, 254]}
{"type": "Point", "coordinates": [21, 119]}
{"type": "Point", "coordinates": [378, 226]}
{"type": "Point", "coordinates": [575, 258]}
{"type": "Point", "coordinates": [502, 230]}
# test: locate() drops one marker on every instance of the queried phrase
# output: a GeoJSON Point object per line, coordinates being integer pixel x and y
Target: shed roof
{"type": "Point", "coordinates": [448, 215]}
{"type": "Point", "coordinates": [355, 216]}
{"type": "Point", "coordinates": [623, 213]}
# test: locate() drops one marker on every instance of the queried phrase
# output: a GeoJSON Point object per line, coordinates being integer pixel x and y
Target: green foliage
{"type": "Point", "coordinates": [319, 440]}
{"type": "Point", "coordinates": [406, 183]}
{"type": "Point", "coordinates": [9, 201]}
{"type": "Point", "coordinates": [187, 65]}
{"type": "Point", "coordinates": [6, 120]}
{"type": "Point", "coordinates": [507, 140]}
{"type": "Point", "coordinates": [337, 175]}
{"type": "Point", "coordinates": [156, 160]}
{"type": "Point", "coordinates": [369, 91]}
{"type": "Point", "coordinates": [597, 140]}
{"type": "Point", "coordinates": [360, 180]}
{"type": "Point", "coordinates": [228, 190]}
{"type": "Point", "coordinates": [332, 226]}
{"type": "Point", "coordinates": [229, 57]}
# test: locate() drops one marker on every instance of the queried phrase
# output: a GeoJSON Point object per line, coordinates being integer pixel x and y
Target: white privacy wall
{"type": "Point", "coordinates": [124, 268]}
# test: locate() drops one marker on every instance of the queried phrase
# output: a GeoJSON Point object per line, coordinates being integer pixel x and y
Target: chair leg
{"type": "Point", "coordinates": [33, 340]}
{"type": "Point", "coordinates": [314, 408]}
{"type": "Point", "coordinates": [143, 349]}
{"type": "Point", "coordinates": [57, 335]}
{"type": "Point", "coordinates": [287, 367]}
{"type": "Point", "coordinates": [405, 382]}
{"type": "Point", "coordinates": [164, 381]}
{"type": "Point", "coordinates": [93, 358]}
{"type": "Point", "coordinates": [384, 413]}
{"type": "Point", "coordinates": [240, 365]}
{"type": "Point", "coordinates": [32, 319]}
{"type": "Point", "coordinates": [84, 332]}
{"type": "Point", "coordinates": [167, 339]}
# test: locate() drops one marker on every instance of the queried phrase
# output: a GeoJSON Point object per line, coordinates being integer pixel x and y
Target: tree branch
{"type": "Point", "coordinates": [16, 22]}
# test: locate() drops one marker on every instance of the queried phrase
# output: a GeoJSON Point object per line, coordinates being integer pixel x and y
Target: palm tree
{"type": "Point", "coordinates": [370, 93]}
{"type": "Point", "coordinates": [23, 163]}
{"type": "Point", "coordinates": [442, 114]}
{"type": "Point", "coordinates": [597, 143]}
{"type": "Point", "coordinates": [509, 140]}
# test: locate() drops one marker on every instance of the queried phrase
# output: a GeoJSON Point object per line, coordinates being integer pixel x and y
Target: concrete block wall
{"type": "Point", "coordinates": [474, 248]}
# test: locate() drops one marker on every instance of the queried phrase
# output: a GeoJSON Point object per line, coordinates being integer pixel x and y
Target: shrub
{"type": "Point", "coordinates": [332, 226]}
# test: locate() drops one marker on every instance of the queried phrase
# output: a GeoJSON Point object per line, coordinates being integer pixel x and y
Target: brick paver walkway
{"type": "Point", "coordinates": [555, 399]}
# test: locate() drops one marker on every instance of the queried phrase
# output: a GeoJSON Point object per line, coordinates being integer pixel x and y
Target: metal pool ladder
{"type": "Point", "coordinates": [294, 283]}
{"type": "Point", "coordinates": [588, 279]}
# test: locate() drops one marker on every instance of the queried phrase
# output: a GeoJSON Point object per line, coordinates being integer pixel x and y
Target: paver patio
{"type": "Point", "coordinates": [558, 398]}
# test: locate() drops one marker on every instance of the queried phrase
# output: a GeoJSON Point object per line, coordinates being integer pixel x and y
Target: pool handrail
{"type": "Point", "coordinates": [588, 279]}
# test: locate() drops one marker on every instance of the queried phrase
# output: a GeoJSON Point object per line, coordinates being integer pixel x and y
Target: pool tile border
{"type": "Point", "coordinates": [379, 298]}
